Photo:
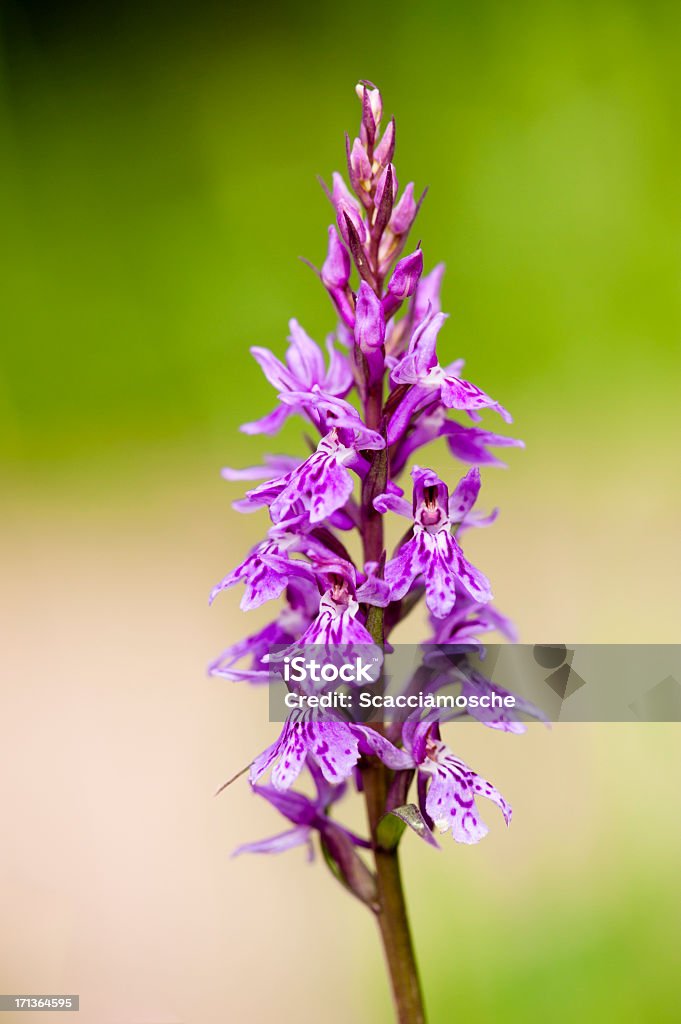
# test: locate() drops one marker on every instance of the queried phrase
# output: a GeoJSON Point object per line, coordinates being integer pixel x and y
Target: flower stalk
{"type": "Point", "coordinates": [391, 913]}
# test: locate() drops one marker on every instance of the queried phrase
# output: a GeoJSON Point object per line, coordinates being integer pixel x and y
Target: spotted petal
{"type": "Point", "coordinates": [330, 745]}
{"type": "Point", "coordinates": [450, 801]}
{"type": "Point", "coordinates": [264, 579]}
{"type": "Point", "coordinates": [457, 393]}
{"type": "Point", "coordinates": [322, 484]}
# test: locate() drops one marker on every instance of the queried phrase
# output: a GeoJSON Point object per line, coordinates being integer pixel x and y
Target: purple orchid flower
{"type": "Point", "coordinates": [265, 572]}
{"type": "Point", "coordinates": [468, 444]}
{"type": "Point", "coordinates": [304, 368]}
{"type": "Point", "coordinates": [333, 746]}
{"type": "Point", "coordinates": [432, 551]}
{"type": "Point", "coordinates": [338, 621]}
{"type": "Point", "coordinates": [429, 382]}
{"type": "Point", "coordinates": [321, 485]}
{"type": "Point", "coordinates": [307, 815]}
{"type": "Point", "coordinates": [447, 786]}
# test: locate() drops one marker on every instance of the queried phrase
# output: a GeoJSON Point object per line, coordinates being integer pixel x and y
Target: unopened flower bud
{"type": "Point", "coordinates": [372, 110]}
{"type": "Point", "coordinates": [360, 166]}
{"type": "Point", "coordinates": [403, 282]}
{"type": "Point", "coordinates": [387, 175]}
{"type": "Point", "coordinates": [385, 150]}
{"type": "Point", "coordinates": [346, 206]}
{"type": "Point", "coordinates": [404, 212]}
{"type": "Point", "coordinates": [336, 266]}
{"type": "Point", "coordinates": [370, 333]}
{"type": "Point", "coordinates": [406, 275]}
{"type": "Point", "coordinates": [369, 320]}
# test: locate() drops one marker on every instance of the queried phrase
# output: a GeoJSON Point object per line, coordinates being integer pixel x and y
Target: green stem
{"type": "Point", "coordinates": [393, 921]}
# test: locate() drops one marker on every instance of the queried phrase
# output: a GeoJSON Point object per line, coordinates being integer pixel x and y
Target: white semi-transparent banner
{"type": "Point", "coordinates": [495, 683]}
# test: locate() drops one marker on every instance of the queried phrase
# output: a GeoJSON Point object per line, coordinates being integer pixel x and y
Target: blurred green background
{"type": "Point", "coordinates": [157, 184]}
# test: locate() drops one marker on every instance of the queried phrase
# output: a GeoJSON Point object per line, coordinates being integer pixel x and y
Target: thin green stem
{"type": "Point", "coordinates": [392, 918]}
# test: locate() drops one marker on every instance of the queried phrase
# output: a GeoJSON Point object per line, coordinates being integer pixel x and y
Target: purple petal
{"type": "Point", "coordinates": [393, 503]}
{"type": "Point", "coordinates": [277, 844]}
{"type": "Point", "coordinates": [402, 570]}
{"type": "Point", "coordinates": [421, 355]}
{"type": "Point", "coordinates": [334, 628]}
{"type": "Point", "coordinates": [406, 275]}
{"type": "Point", "coordinates": [503, 718]}
{"type": "Point", "coordinates": [270, 424]}
{"type": "Point", "coordinates": [336, 267]}
{"type": "Point", "coordinates": [451, 797]}
{"type": "Point", "coordinates": [416, 397]}
{"type": "Point", "coordinates": [334, 748]}
{"type": "Point", "coordinates": [372, 742]}
{"type": "Point", "coordinates": [404, 212]}
{"type": "Point", "coordinates": [464, 496]}
{"type": "Point", "coordinates": [273, 466]}
{"type": "Point", "coordinates": [338, 380]}
{"type": "Point", "coordinates": [359, 162]}
{"type": "Point", "coordinates": [304, 358]}
{"type": "Point", "coordinates": [457, 393]}
{"type": "Point", "coordinates": [440, 573]}
{"type": "Point", "coordinates": [470, 444]}
{"type": "Point", "coordinates": [264, 572]}
{"type": "Point", "coordinates": [385, 150]}
{"type": "Point", "coordinates": [322, 484]}
{"type": "Point", "coordinates": [428, 293]}
{"type": "Point", "coordinates": [297, 807]}
{"type": "Point", "coordinates": [275, 371]}
{"type": "Point", "coordinates": [478, 519]}
{"type": "Point", "coordinates": [369, 321]}
{"type": "Point", "coordinates": [375, 591]}
{"type": "Point", "coordinates": [468, 620]}
{"type": "Point", "coordinates": [475, 582]}
{"type": "Point", "coordinates": [339, 414]}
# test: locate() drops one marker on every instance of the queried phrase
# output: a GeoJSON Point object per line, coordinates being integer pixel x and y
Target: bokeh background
{"type": "Point", "coordinates": [157, 185]}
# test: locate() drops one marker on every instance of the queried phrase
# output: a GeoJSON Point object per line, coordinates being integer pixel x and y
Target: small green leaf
{"type": "Point", "coordinates": [390, 830]}
{"type": "Point", "coordinates": [407, 814]}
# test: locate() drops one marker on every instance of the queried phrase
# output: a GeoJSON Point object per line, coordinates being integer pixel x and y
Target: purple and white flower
{"type": "Point", "coordinates": [428, 382]}
{"type": "Point", "coordinates": [304, 368]}
{"type": "Point", "coordinates": [307, 815]}
{"type": "Point", "coordinates": [432, 551]}
{"type": "Point", "coordinates": [447, 787]}
{"type": "Point", "coordinates": [333, 746]}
